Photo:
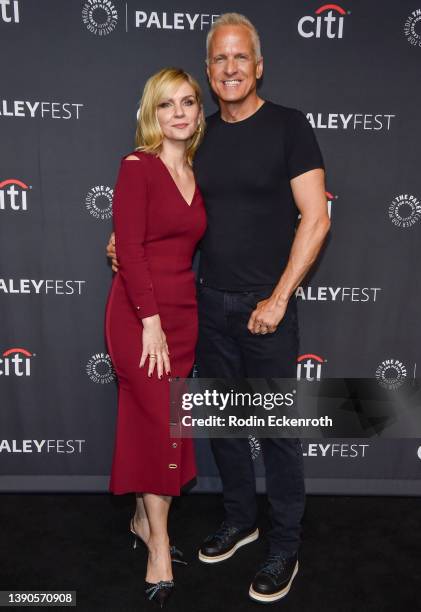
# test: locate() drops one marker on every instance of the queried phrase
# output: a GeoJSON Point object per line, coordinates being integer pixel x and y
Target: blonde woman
{"type": "Point", "coordinates": [151, 313]}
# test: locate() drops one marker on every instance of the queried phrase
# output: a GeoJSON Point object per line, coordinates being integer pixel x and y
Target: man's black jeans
{"type": "Point", "coordinates": [226, 349]}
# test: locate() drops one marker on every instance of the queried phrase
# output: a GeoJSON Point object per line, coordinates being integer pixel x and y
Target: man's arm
{"type": "Point", "coordinates": [309, 194]}
{"type": "Point", "coordinates": [111, 252]}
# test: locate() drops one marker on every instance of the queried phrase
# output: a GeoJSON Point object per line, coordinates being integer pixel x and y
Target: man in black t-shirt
{"type": "Point", "coordinates": [259, 165]}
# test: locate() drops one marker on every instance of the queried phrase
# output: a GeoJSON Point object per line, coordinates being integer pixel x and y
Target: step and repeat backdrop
{"type": "Point", "coordinates": [72, 75]}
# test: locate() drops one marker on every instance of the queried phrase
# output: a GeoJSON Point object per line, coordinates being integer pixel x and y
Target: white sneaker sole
{"type": "Point", "coordinates": [261, 598]}
{"type": "Point", "coordinates": [250, 538]}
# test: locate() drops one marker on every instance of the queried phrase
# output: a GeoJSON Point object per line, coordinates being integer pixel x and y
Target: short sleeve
{"type": "Point", "coordinates": [302, 150]}
{"type": "Point", "coordinates": [130, 214]}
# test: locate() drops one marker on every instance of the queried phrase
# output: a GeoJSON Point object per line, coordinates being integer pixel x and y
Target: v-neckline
{"type": "Point", "coordinates": [176, 186]}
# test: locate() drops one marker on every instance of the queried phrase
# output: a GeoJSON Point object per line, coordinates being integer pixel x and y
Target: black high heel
{"type": "Point", "coordinates": [176, 554]}
{"type": "Point", "coordinates": [160, 591]}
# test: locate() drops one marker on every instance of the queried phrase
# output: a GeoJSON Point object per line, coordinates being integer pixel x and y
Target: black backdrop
{"type": "Point", "coordinates": [72, 74]}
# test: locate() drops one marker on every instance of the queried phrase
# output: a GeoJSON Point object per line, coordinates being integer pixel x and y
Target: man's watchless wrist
{"type": "Point", "coordinates": [281, 299]}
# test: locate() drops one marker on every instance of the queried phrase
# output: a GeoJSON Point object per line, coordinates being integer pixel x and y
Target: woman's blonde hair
{"type": "Point", "coordinates": [159, 86]}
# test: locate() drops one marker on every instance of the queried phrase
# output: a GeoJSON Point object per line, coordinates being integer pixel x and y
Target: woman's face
{"type": "Point", "coordinates": [179, 115]}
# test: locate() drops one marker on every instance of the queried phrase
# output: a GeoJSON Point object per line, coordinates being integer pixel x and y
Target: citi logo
{"type": "Point", "coordinates": [330, 198]}
{"type": "Point", "coordinates": [16, 362]}
{"type": "Point", "coordinates": [9, 11]}
{"type": "Point", "coordinates": [330, 24]}
{"type": "Point", "coordinates": [13, 194]}
{"type": "Point", "coordinates": [309, 367]}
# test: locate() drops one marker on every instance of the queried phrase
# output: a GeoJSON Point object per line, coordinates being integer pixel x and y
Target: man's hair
{"type": "Point", "coordinates": [235, 19]}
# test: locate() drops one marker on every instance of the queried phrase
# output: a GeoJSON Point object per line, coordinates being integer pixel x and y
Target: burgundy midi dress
{"type": "Point", "coordinates": [157, 232]}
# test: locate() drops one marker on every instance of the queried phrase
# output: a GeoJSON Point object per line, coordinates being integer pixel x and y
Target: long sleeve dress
{"type": "Point", "coordinates": [156, 235]}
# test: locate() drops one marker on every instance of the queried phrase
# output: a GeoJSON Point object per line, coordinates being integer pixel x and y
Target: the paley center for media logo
{"type": "Point", "coordinates": [326, 22]}
{"type": "Point", "coordinates": [9, 11]}
{"type": "Point", "coordinates": [255, 447]}
{"type": "Point", "coordinates": [99, 202]}
{"type": "Point", "coordinates": [14, 195]}
{"type": "Point", "coordinates": [412, 28]}
{"type": "Point", "coordinates": [391, 373]}
{"type": "Point", "coordinates": [100, 369]}
{"type": "Point", "coordinates": [16, 362]}
{"type": "Point", "coordinates": [100, 17]}
{"type": "Point", "coordinates": [405, 210]}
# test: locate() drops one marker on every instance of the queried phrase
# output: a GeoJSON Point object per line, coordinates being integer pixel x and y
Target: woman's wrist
{"type": "Point", "coordinates": [152, 322]}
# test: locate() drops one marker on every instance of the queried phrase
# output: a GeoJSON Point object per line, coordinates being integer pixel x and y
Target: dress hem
{"type": "Point", "coordinates": [153, 490]}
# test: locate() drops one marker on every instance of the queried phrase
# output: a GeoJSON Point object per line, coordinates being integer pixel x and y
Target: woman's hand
{"type": "Point", "coordinates": [155, 347]}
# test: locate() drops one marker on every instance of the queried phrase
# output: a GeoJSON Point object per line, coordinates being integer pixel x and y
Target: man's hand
{"type": "Point", "coordinates": [111, 253]}
{"type": "Point", "coordinates": [267, 315]}
{"type": "Point", "coordinates": [309, 194]}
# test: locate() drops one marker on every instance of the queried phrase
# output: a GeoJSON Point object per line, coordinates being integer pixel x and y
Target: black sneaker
{"type": "Point", "coordinates": [273, 580]}
{"type": "Point", "coordinates": [224, 542]}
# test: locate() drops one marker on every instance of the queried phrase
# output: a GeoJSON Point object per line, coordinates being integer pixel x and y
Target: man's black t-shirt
{"type": "Point", "coordinates": [243, 171]}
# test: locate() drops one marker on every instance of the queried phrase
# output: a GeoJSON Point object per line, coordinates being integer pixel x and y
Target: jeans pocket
{"type": "Point", "coordinates": [257, 296]}
{"type": "Point", "coordinates": [249, 300]}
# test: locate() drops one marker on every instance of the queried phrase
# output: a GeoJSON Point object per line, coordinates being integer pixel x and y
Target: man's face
{"type": "Point", "coordinates": [232, 67]}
